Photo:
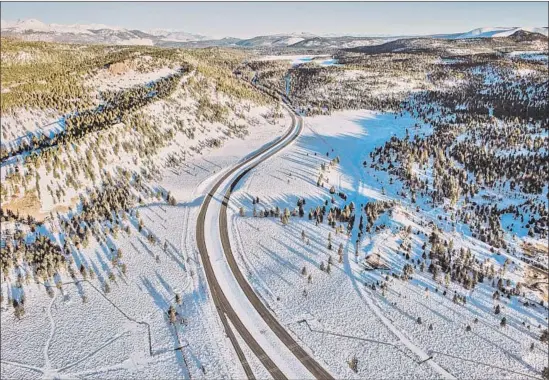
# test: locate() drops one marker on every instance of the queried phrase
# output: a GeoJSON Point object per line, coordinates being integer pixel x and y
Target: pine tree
{"type": "Point", "coordinates": [83, 271]}
{"type": "Point", "coordinates": [544, 336]}
{"type": "Point", "coordinates": [353, 364]}
{"type": "Point", "coordinates": [171, 200]}
{"type": "Point", "coordinates": [172, 314]}
{"type": "Point", "coordinates": [19, 310]}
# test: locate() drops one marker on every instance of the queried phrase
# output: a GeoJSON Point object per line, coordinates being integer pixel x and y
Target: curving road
{"type": "Point", "coordinates": [223, 306]}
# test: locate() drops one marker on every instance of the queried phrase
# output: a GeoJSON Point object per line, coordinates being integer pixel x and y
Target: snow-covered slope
{"type": "Point", "coordinates": [176, 35]}
{"type": "Point", "coordinates": [275, 40]}
{"type": "Point", "coordinates": [36, 30]}
{"type": "Point", "coordinates": [33, 25]}
{"type": "Point", "coordinates": [491, 32]}
{"type": "Point", "coordinates": [33, 29]}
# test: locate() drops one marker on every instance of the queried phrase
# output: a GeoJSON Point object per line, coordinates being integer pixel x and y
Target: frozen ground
{"type": "Point", "coordinates": [28, 122]}
{"type": "Point", "coordinates": [112, 340]}
{"type": "Point", "coordinates": [336, 315]}
{"type": "Point", "coordinates": [24, 122]}
{"type": "Point", "coordinates": [323, 60]}
{"type": "Point", "coordinates": [107, 80]}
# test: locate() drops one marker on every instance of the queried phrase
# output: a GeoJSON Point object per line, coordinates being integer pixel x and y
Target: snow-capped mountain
{"type": "Point", "coordinates": [33, 29]}
{"type": "Point", "coordinates": [495, 32]}
{"type": "Point", "coordinates": [36, 30]}
{"type": "Point", "coordinates": [275, 40]}
{"type": "Point", "coordinates": [33, 25]}
{"type": "Point", "coordinates": [176, 35]}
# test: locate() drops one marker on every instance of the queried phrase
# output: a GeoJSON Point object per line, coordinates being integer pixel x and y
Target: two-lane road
{"type": "Point", "coordinates": [225, 304]}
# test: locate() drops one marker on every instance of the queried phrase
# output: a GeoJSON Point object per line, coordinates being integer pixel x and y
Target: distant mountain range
{"type": "Point", "coordinates": [497, 32]}
{"type": "Point", "coordinates": [36, 30]}
{"type": "Point", "coordinates": [458, 45]}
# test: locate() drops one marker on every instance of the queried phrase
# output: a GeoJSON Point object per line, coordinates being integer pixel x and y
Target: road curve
{"type": "Point", "coordinates": [222, 305]}
{"type": "Point", "coordinates": [221, 302]}
{"type": "Point", "coordinates": [312, 365]}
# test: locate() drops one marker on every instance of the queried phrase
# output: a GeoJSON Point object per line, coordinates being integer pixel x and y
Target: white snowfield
{"type": "Point", "coordinates": [323, 60]}
{"type": "Point", "coordinates": [95, 339]}
{"type": "Point", "coordinates": [277, 351]}
{"type": "Point", "coordinates": [494, 32]}
{"type": "Point", "coordinates": [341, 318]}
{"type": "Point", "coordinates": [411, 330]}
{"type": "Point", "coordinates": [38, 26]}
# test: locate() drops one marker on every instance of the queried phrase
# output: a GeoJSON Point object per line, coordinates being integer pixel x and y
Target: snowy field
{"type": "Point", "coordinates": [323, 60]}
{"type": "Point", "coordinates": [335, 315]}
{"type": "Point", "coordinates": [112, 340]}
{"type": "Point", "coordinates": [24, 123]}
{"type": "Point", "coordinates": [318, 280]}
{"type": "Point", "coordinates": [529, 55]}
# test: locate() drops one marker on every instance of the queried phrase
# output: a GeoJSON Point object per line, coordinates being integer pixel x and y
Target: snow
{"type": "Point", "coordinates": [344, 318]}
{"type": "Point", "coordinates": [176, 35]}
{"type": "Point", "coordinates": [491, 32]}
{"type": "Point", "coordinates": [71, 337]}
{"type": "Point", "coordinates": [338, 319]}
{"type": "Point", "coordinates": [300, 59]}
{"type": "Point", "coordinates": [256, 366]}
{"type": "Point", "coordinates": [293, 40]}
{"type": "Point", "coordinates": [23, 123]}
{"type": "Point", "coordinates": [109, 339]}
{"type": "Point", "coordinates": [105, 80]}
{"type": "Point", "coordinates": [277, 351]}
{"type": "Point", "coordinates": [137, 41]}
{"type": "Point", "coordinates": [529, 55]}
{"type": "Point", "coordinates": [284, 41]}
{"type": "Point", "coordinates": [524, 72]}
{"type": "Point", "coordinates": [38, 26]}
{"type": "Point", "coordinates": [27, 122]}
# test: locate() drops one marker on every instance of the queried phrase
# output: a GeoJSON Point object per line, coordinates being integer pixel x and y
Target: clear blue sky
{"type": "Point", "coordinates": [242, 19]}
